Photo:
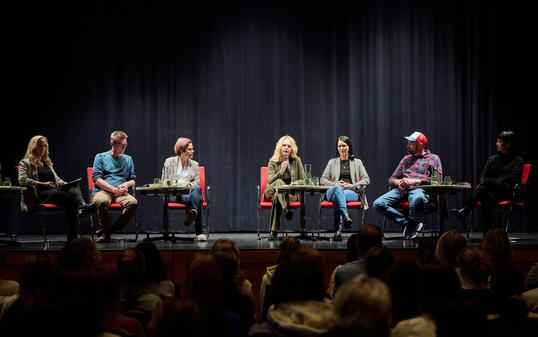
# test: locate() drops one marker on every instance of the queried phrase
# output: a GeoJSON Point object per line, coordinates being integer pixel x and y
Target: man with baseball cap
{"type": "Point", "coordinates": [413, 169]}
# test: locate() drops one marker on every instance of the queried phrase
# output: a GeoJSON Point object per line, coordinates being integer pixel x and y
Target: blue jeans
{"type": "Point", "coordinates": [384, 205]}
{"type": "Point", "coordinates": [338, 196]}
{"type": "Point", "coordinates": [194, 200]}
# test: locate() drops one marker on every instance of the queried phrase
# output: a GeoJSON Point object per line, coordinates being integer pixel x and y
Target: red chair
{"type": "Point", "coordinates": [264, 203]}
{"type": "Point", "coordinates": [519, 199]}
{"type": "Point", "coordinates": [114, 207]}
{"type": "Point", "coordinates": [180, 206]}
{"type": "Point", "coordinates": [44, 208]}
{"type": "Point", "coordinates": [350, 205]}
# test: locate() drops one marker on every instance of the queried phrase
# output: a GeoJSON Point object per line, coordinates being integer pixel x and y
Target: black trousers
{"type": "Point", "coordinates": [489, 193]}
{"type": "Point", "coordinates": [70, 200]}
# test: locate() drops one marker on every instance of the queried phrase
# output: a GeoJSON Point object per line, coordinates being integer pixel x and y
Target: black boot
{"type": "Point", "coordinates": [348, 223]}
{"type": "Point", "coordinates": [86, 208]}
{"type": "Point", "coordinates": [461, 214]}
{"type": "Point", "coordinates": [288, 213]}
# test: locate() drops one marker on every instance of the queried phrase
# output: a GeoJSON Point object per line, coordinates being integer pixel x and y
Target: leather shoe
{"type": "Point", "coordinates": [461, 214]}
{"type": "Point", "coordinates": [273, 236]}
{"type": "Point", "coordinates": [103, 238]}
{"type": "Point", "coordinates": [288, 214]}
{"type": "Point", "coordinates": [191, 216]}
{"type": "Point", "coordinates": [348, 223]}
{"type": "Point", "coordinates": [86, 208]}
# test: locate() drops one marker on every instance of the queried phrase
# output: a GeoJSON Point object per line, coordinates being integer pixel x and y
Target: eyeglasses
{"type": "Point", "coordinates": [120, 144]}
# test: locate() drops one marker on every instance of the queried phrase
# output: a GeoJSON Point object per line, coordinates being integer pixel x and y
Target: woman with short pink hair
{"type": "Point", "coordinates": [182, 170]}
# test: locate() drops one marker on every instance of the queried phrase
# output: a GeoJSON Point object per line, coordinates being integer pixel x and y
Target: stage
{"type": "Point", "coordinates": [256, 254]}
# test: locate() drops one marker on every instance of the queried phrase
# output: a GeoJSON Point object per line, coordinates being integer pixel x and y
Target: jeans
{"type": "Point", "coordinates": [194, 200]}
{"type": "Point", "coordinates": [385, 204]}
{"type": "Point", "coordinates": [338, 196]}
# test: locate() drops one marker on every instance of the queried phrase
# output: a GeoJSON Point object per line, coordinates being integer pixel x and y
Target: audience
{"type": "Point", "coordinates": [404, 282]}
{"type": "Point", "coordinates": [175, 317]}
{"type": "Point", "coordinates": [298, 292]}
{"type": "Point", "coordinates": [226, 254]}
{"type": "Point", "coordinates": [351, 255]}
{"type": "Point", "coordinates": [368, 236]}
{"type": "Point", "coordinates": [155, 277]}
{"type": "Point", "coordinates": [378, 261]}
{"type": "Point", "coordinates": [205, 288]}
{"type": "Point", "coordinates": [464, 291]}
{"type": "Point", "coordinates": [7, 287]}
{"type": "Point", "coordinates": [136, 301]}
{"type": "Point", "coordinates": [287, 245]}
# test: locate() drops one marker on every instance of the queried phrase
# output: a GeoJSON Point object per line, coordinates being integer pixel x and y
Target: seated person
{"type": "Point", "coordinates": [414, 169]}
{"type": "Point", "coordinates": [348, 178]}
{"type": "Point", "coordinates": [284, 167]}
{"type": "Point", "coordinates": [36, 170]}
{"type": "Point", "coordinates": [499, 176]}
{"type": "Point", "coordinates": [182, 170]}
{"type": "Point", "coordinates": [113, 174]}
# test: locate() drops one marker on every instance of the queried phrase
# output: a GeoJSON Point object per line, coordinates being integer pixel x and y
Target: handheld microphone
{"type": "Point", "coordinates": [288, 160]}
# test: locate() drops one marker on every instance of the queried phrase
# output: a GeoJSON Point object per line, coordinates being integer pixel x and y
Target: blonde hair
{"type": "Point", "coordinates": [364, 305]}
{"type": "Point", "coordinates": [118, 135]}
{"type": "Point", "coordinates": [30, 152]}
{"type": "Point", "coordinates": [278, 148]}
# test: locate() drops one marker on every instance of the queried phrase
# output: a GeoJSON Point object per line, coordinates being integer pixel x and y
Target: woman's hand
{"type": "Point", "coordinates": [46, 184]}
{"type": "Point", "coordinates": [283, 166]}
{"type": "Point", "coordinates": [346, 186]}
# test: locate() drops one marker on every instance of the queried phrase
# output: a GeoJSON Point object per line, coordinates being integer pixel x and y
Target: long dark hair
{"type": "Point", "coordinates": [346, 140]}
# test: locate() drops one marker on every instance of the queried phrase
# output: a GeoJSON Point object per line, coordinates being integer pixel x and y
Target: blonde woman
{"type": "Point", "coordinates": [36, 170]}
{"type": "Point", "coordinates": [284, 167]}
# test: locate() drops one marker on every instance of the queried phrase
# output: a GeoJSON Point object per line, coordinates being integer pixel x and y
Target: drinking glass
{"type": "Point", "coordinates": [6, 182]}
{"type": "Point", "coordinates": [448, 180]}
{"type": "Point", "coordinates": [435, 179]}
{"type": "Point", "coordinates": [315, 181]}
{"type": "Point", "coordinates": [156, 180]}
{"type": "Point", "coordinates": [308, 170]}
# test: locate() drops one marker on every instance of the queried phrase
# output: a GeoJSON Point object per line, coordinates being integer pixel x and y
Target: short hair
{"type": "Point", "coordinates": [378, 261]}
{"type": "Point", "coordinates": [507, 136]}
{"type": "Point", "coordinates": [369, 236]}
{"type": "Point", "coordinates": [497, 244]}
{"type": "Point", "coordinates": [346, 140]}
{"type": "Point", "coordinates": [474, 264]}
{"type": "Point", "coordinates": [363, 306]}
{"type": "Point", "coordinates": [277, 154]}
{"type": "Point", "coordinates": [78, 253]}
{"type": "Point", "coordinates": [448, 247]}
{"type": "Point", "coordinates": [118, 136]}
{"type": "Point", "coordinates": [181, 145]}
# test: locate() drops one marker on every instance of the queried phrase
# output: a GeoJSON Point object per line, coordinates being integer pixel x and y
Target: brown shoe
{"type": "Point", "coordinates": [191, 216]}
{"type": "Point", "coordinates": [103, 238]}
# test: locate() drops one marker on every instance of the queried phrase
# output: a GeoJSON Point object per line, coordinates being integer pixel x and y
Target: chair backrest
{"type": "Point", "coordinates": [201, 171]}
{"type": "Point", "coordinates": [264, 179]}
{"type": "Point", "coordinates": [526, 173]}
{"type": "Point", "coordinates": [90, 179]}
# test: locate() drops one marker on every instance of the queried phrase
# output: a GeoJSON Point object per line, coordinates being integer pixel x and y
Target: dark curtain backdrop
{"type": "Point", "coordinates": [236, 77]}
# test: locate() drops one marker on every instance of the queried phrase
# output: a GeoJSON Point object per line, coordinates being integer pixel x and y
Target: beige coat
{"type": "Point", "coordinates": [170, 170]}
{"type": "Point", "coordinates": [29, 177]}
{"type": "Point", "coordinates": [359, 177]}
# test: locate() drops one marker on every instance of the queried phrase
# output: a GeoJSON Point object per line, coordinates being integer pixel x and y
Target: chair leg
{"type": "Point", "coordinates": [258, 220]}
{"type": "Point", "coordinates": [43, 228]}
{"type": "Point", "coordinates": [383, 227]}
{"type": "Point", "coordinates": [207, 220]}
{"type": "Point", "coordinates": [136, 230]}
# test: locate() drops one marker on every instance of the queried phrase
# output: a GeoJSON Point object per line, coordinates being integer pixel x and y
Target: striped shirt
{"type": "Point", "coordinates": [417, 167]}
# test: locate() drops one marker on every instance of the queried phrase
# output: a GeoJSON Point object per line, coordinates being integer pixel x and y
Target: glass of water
{"type": "Point", "coordinates": [6, 182]}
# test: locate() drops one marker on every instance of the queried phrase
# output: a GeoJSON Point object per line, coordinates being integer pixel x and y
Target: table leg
{"type": "Point", "coordinates": [165, 216]}
{"type": "Point", "coordinates": [301, 200]}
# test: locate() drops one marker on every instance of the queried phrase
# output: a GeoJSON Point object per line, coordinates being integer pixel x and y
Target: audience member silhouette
{"type": "Point", "coordinates": [155, 277]}
{"type": "Point", "coordinates": [378, 261]}
{"type": "Point", "coordinates": [404, 282]}
{"type": "Point", "coordinates": [175, 317]}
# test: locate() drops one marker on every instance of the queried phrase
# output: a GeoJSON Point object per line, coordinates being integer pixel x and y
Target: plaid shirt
{"type": "Point", "coordinates": [416, 167]}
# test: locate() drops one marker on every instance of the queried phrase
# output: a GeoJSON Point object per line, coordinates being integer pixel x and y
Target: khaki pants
{"type": "Point", "coordinates": [103, 201]}
{"type": "Point", "coordinates": [280, 201]}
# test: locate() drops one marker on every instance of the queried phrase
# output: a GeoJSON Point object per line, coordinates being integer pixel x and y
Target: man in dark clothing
{"type": "Point", "coordinates": [499, 176]}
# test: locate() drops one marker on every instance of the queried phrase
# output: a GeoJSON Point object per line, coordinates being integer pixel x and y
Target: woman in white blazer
{"type": "Point", "coordinates": [348, 178]}
{"type": "Point", "coordinates": [182, 170]}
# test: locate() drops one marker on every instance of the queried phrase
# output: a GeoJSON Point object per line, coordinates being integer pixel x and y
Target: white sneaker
{"type": "Point", "coordinates": [201, 237]}
{"type": "Point", "coordinates": [419, 227]}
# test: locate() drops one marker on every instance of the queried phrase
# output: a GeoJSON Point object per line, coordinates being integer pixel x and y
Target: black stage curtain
{"type": "Point", "coordinates": [236, 77]}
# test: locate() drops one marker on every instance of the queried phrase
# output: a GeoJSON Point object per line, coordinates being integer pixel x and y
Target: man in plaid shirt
{"type": "Point", "coordinates": [414, 169]}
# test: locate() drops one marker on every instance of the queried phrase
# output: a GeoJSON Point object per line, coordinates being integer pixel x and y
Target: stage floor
{"type": "Point", "coordinates": [245, 241]}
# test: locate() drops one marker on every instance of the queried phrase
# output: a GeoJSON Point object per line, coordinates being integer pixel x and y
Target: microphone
{"type": "Point", "coordinates": [288, 160]}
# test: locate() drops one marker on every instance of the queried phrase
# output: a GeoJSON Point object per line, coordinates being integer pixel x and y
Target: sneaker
{"type": "Point", "coordinates": [191, 216]}
{"type": "Point", "coordinates": [103, 239]}
{"type": "Point", "coordinates": [419, 227]}
{"type": "Point", "coordinates": [201, 237]}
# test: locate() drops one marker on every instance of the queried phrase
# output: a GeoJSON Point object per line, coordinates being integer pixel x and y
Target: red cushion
{"type": "Point", "coordinates": [349, 204]}
{"type": "Point", "coordinates": [269, 205]}
{"type": "Point", "coordinates": [177, 205]}
{"type": "Point", "coordinates": [50, 207]}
